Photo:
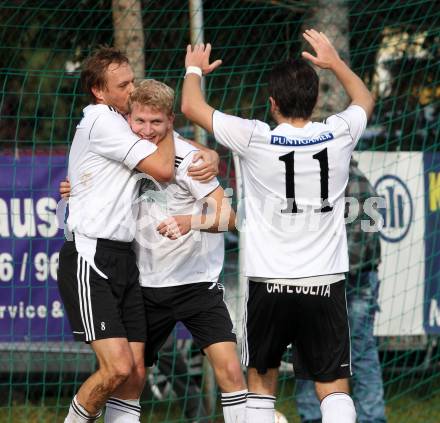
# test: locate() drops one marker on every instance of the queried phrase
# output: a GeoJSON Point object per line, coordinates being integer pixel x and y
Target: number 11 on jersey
{"type": "Point", "coordinates": [289, 162]}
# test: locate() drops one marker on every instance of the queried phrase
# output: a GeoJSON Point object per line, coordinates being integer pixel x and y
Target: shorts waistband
{"type": "Point", "coordinates": [114, 245]}
{"type": "Point", "coordinates": [111, 244]}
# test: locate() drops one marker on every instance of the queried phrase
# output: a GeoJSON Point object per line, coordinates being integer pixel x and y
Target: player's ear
{"type": "Point", "coordinates": [273, 105]}
{"type": "Point", "coordinates": [99, 94]}
{"type": "Point", "coordinates": [171, 118]}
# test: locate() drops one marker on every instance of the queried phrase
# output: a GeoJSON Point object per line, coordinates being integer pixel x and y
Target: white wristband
{"type": "Point", "coordinates": [194, 69]}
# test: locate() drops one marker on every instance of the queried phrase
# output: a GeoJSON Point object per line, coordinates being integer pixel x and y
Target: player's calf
{"type": "Point", "coordinates": [87, 404]}
{"type": "Point", "coordinates": [260, 406]}
{"type": "Point", "coordinates": [95, 391]}
{"type": "Point", "coordinates": [229, 376]}
{"type": "Point", "coordinates": [224, 360]}
{"type": "Point", "coordinates": [124, 406]}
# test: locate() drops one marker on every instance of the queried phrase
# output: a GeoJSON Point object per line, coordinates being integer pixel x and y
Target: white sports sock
{"type": "Point", "coordinates": [338, 408]}
{"type": "Point", "coordinates": [234, 406]}
{"type": "Point", "coordinates": [78, 414]}
{"type": "Point", "coordinates": [260, 408]}
{"type": "Point", "coordinates": [122, 411]}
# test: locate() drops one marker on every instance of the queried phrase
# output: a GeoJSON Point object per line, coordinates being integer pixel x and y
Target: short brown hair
{"type": "Point", "coordinates": [155, 94]}
{"type": "Point", "coordinates": [95, 66]}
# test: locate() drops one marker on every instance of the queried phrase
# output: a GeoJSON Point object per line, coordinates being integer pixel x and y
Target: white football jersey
{"type": "Point", "coordinates": [104, 185]}
{"type": "Point", "coordinates": [294, 181]}
{"type": "Point", "coordinates": [195, 257]}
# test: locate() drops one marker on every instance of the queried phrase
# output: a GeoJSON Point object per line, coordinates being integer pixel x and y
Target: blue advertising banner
{"type": "Point", "coordinates": [30, 240]}
{"type": "Point", "coordinates": [30, 306]}
{"type": "Point", "coordinates": [431, 162]}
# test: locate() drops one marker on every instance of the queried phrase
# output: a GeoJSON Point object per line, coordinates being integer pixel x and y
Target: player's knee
{"type": "Point", "coordinates": [117, 373]}
{"type": "Point", "coordinates": [120, 374]}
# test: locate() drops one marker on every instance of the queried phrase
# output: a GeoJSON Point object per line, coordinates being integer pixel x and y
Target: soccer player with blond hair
{"type": "Point", "coordinates": [180, 253]}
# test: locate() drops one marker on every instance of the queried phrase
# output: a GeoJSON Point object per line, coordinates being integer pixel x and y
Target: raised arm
{"type": "Point", "coordinates": [328, 58]}
{"type": "Point", "coordinates": [194, 106]}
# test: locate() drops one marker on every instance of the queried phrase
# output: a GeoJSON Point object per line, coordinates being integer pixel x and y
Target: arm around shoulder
{"type": "Point", "coordinates": [160, 164]}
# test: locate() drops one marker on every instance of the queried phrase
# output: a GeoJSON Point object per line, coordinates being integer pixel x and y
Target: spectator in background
{"type": "Point", "coordinates": [362, 295]}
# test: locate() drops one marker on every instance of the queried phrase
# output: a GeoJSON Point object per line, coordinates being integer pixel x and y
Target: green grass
{"type": "Point", "coordinates": [408, 401]}
{"type": "Point", "coordinates": [406, 409]}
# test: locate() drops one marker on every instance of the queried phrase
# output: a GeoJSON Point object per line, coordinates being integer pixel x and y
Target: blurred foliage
{"type": "Point", "coordinates": [42, 44]}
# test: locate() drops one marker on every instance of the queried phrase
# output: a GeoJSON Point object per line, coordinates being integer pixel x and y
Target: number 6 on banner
{"type": "Point", "coordinates": [6, 267]}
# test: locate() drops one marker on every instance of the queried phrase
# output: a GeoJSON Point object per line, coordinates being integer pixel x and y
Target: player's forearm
{"type": "Point", "coordinates": [166, 154]}
{"type": "Point", "coordinates": [192, 96]}
{"type": "Point", "coordinates": [160, 164]}
{"type": "Point", "coordinates": [221, 221]}
{"type": "Point", "coordinates": [194, 106]}
{"type": "Point", "coordinates": [354, 86]}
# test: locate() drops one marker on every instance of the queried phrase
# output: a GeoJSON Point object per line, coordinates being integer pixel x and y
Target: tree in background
{"type": "Point", "coordinates": [332, 18]}
{"type": "Point", "coordinates": [129, 33]}
{"type": "Point", "coordinates": [42, 45]}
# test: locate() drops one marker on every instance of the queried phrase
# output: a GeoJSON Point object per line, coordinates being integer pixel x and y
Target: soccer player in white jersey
{"type": "Point", "coordinates": [294, 179]}
{"type": "Point", "coordinates": [179, 267]}
{"type": "Point", "coordinates": [98, 276]}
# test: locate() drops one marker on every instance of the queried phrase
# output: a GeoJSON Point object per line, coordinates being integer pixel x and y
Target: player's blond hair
{"type": "Point", "coordinates": [155, 94]}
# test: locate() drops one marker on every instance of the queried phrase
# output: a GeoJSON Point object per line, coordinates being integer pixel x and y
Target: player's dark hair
{"type": "Point", "coordinates": [294, 86]}
{"type": "Point", "coordinates": [95, 66]}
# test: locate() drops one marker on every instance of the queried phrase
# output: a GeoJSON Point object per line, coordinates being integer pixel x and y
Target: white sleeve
{"type": "Point", "coordinates": [198, 189]}
{"type": "Point", "coordinates": [112, 137]}
{"type": "Point", "coordinates": [354, 118]}
{"type": "Point", "coordinates": [233, 132]}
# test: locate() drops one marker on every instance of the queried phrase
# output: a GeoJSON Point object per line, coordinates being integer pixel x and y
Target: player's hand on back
{"type": "Point", "coordinates": [326, 54]}
{"type": "Point", "coordinates": [65, 188]}
{"type": "Point", "coordinates": [207, 169]}
{"type": "Point", "coordinates": [199, 56]}
{"type": "Point", "coordinates": [175, 226]}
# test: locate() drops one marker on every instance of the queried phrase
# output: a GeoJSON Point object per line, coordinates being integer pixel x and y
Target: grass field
{"type": "Point", "coordinates": [408, 401]}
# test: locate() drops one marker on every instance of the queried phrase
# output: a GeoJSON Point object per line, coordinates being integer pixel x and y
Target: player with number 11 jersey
{"type": "Point", "coordinates": [294, 182]}
{"type": "Point", "coordinates": [294, 179]}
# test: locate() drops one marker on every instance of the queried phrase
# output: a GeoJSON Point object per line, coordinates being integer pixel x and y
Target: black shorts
{"type": "Point", "coordinates": [199, 306]}
{"type": "Point", "coordinates": [100, 308]}
{"type": "Point", "coordinates": [313, 319]}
